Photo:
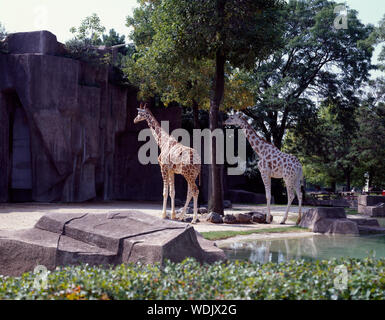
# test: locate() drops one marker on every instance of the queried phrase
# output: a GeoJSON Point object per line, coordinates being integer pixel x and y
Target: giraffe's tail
{"type": "Point", "coordinates": [302, 179]}
{"type": "Point", "coordinates": [199, 178]}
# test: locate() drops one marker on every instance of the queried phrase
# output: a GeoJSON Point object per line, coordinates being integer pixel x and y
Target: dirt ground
{"type": "Point", "coordinates": [16, 216]}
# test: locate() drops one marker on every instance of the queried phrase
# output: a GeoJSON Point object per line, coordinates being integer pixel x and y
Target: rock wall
{"type": "Point", "coordinates": [82, 139]}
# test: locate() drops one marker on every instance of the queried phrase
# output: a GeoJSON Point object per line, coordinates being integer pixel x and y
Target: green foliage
{"type": "Point", "coordinates": [344, 140]}
{"type": "Point", "coordinates": [375, 38]}
{"type": "Point", "coordinates": [316, 60]}
{"type": "Point", "coordinates": [160, 69]}
{"type": "Point", "coordinates": [3, 34]}
{"type": "Point", "coordinates": [90, 30]}
{"type": "Point", "coordinates": [78, 49]}
{"type": "Point", "coordinates": [155, 68]}
{"type": "Point", "coordinates": [90, 36]}
{"type": "Point", "coordinates": [292, 280]}
{"type": "Point", "coordinates": [325, 143]}
{"type": "Point", "coordinates": [370, 142]}
{"type": "Point", "coordinates": [112, 39]}
{"type": "Point", "coordinates": [380, 39]}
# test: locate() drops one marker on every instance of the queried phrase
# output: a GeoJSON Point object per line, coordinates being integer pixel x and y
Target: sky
{"type": "Point", "coordinates": [59, 16]}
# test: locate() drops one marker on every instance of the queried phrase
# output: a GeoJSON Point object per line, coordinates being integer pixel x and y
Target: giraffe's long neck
{"type": "Point", "coordinates": [160, 135]}
{"type": "Point", "coordinates": [256, 142]}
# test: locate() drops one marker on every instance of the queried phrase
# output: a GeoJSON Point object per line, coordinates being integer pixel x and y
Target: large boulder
{"type": "Point", "coordinates": [229, 219]}
{"type": "Point", "coordinates": [373, 206]}
{"type": "Point", "coordinates": [101, 239]}
{"type": "Point", "coordinates": [367, 225]}
{"type": "Point", "coordinates": [259, 217]}
{"type": "Point", "coordinates": [243, 218]}
{"type": "Point", "coordinates": [328, 220]}
{"type": "Point", "coordinates": [368, 201]}
{"type": "Point", "coordinates": [214, 217]}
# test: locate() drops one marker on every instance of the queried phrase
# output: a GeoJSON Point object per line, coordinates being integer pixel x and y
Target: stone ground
{"type": "Point", "coordinates": [25, 215]}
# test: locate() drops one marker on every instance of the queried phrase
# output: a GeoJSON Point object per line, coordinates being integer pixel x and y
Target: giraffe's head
{"type": "Point", "coordinates": [142, 111]}
{"type": "Point", "coordinates": [237, 119]}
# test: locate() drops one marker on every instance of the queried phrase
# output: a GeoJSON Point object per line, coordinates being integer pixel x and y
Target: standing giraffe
{"type": "Point", "coordinates": [174, 158]}
{"type": "Point", "coordinates": [272, 164]}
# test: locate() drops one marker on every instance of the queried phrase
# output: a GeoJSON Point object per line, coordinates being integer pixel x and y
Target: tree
{"type": "Point", "coordinates": [220, 32]}
{"type": "Point", "coordinates": [113, 38]}
{"type": "Point", "coordinates": [378, 37]}
{"type": "Point", "coordinates": [316, 61]}
{"type": "Point", "coordinates": [90, 30]}
{"type": "Point", "coordinates": [157, 69]}
{"type": "Point", "coordinates": [90, 35]}
{"type": "Point", "coordinates": [3, 35]}
{"type": "Point", "coordinates": [325, 143]}
{"type": "Point", "coordinates": [3, 32]}
{"type": "Point", "coordinates": [380, 31]}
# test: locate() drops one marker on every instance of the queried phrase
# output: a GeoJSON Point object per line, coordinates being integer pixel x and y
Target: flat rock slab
{"type": "Point", "coordinates": [101, 239]}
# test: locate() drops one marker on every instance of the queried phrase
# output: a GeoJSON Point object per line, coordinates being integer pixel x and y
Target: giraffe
{"type": "Point", "coordinates": [272, 164]}
{"type": "Point", "coordinates": [174, 158]}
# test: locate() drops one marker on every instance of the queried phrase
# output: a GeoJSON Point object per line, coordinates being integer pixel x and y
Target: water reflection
{"type": "Point", "coordinates": [310, 248]}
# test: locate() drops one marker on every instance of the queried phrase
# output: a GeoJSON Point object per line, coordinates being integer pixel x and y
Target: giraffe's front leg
{"type": "Point", "coordinates": [267, 182]}
{"type": "Point", "coordinates": [165, 191]}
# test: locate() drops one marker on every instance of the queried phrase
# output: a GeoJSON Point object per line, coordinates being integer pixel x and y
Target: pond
{"type": "Point", "coordinates": [317, 247]}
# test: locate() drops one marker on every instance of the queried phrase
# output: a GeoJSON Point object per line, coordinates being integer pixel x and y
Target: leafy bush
{"type": "Point", "coordinates": [191, 280]}
{"type": "Point", "coordinates": [83, 50]}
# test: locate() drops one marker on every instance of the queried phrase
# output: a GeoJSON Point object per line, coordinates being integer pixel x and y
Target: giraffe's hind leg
{"type": "Point", "coordinates": [299, 196]}
{"type": "Point", "coordinates": [172, 194]}
{"type": "Point", "coordinates": [188, 199]}
{"type": "Point", "coordinates": [192, 192]}
{"type": "Point", "coordinates": [195, 194]}
{"type": "Point", "coordinates": [290, 198]}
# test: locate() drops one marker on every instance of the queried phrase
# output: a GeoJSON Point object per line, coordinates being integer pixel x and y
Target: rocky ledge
{"type": "Point", "coordinates": [101, 239]}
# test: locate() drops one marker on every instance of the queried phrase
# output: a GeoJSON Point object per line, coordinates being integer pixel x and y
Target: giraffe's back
{"type": "Point", "coordinates": [280, 164]}
{"type": "Point", "coordinates": [183, 160]}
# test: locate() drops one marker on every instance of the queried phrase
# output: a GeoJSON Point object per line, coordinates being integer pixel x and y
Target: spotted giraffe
{"type": "Point", "coordinates": [272, 164]}
{"type": "Point", "coordinates": [174, 158]}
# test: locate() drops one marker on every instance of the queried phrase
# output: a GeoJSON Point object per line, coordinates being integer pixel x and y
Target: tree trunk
{"type": "Point", "coordinates": [371, 176]}
{"type": "Point", "coordinates": [216, 196]}
{"type": "Point", "coordinates": [195, 108]}
{"type": "Point", "coordinates": [347, 175]}
{"type": "Point", "coordinates": [333, 186]}
{"type": "Point", "coordinates": [195, 114]}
